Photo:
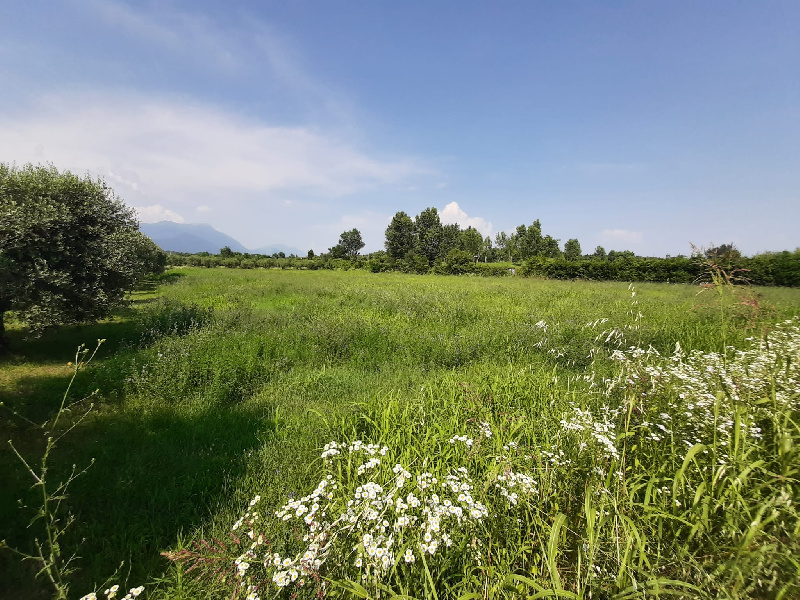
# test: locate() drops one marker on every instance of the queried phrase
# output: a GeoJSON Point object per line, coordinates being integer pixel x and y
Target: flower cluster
{"type": "Point", "coordinates": [374, 525]}
{"type": "Point", "coordinates": [598, 429]}
{"type": "Point", "coordinates": [705, 387]}
{"type": "Point", "coordinates": [111, 593]}
{"type": "Point", "coordinates": [462, 438]}
{"type": "Point", "coordinates": [509, 483]}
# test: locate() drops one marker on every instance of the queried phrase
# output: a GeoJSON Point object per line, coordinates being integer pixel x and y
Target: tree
{"type": "Point", "coordinates": [723, 251]}
{"type": "Point", "coordinates": [337, 252]}
{"type": "Point", "coordinates": [600, 253]}
{"type": "Point", "coordinates": [69, 248]}
{"type": "Point", "coordinates": [399, 236]}
{"type": "Point", "coordinates": [504, 244]}
{"type": "Point", "coordinates": [449, 239]}
{"type": "Point", "coordinates": [572, 249]}
{"type": "Point", "coordinates": [471, 242]}
{"type": "Point", "coordinates": [351, 242]}
{"type": "Point", "coordinates": [530, 241]}
{"type": "Point", "coordinates": [549, 247]}
{"type": "Point", "coordinates": [226, 252]}
{"type": "Point", "coordinates": [311, 253]}
{"type": "Point", "coordinates": [428, 234]}
{"type": "Point", "coordinates": [486, 248]}
{"type": "Point", "coordinates": [620, 254]}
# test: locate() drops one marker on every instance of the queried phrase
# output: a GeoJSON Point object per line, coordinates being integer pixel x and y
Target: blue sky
{"type": "Point", "coordinates": [642, 126]}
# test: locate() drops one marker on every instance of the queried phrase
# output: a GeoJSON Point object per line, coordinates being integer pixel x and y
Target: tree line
{"type": "Point", "coordinates": [426, 238]}
{"type": "Point", "coordinates": [425, 245]}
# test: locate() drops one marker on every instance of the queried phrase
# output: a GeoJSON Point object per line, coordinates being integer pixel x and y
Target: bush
{"type": "Point", "coordinates": [69, 248]}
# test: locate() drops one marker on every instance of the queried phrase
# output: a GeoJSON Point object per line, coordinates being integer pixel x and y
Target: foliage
{"type": "Point", "coordinates": [400, 236]}
{"type": "Point", "coordinates": [572, 249]}
{"type": "Point", "coordinates": [505, 244]}
{"type": "Point", "coordinates": [351, 242]}
{"type": "Point", "coordinates": [428, 234]}
{"type": "Point", "coordinates": [549, 247]}
{"type": "Point", "coordinates": [69, 247]}
{"type": "Point", "coordinates": [471, 242]}
{"type": "Point", "coordinates": [529, 240]}
{"type": "Point", "coordinates": [770, 269]}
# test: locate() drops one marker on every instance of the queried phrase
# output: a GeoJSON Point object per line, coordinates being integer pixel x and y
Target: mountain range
{"type": "Point", "coordinates": [201, 237]}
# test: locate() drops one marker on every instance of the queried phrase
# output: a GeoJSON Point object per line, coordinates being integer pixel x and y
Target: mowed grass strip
{"type": "Point", "coordinates": [225, 383]}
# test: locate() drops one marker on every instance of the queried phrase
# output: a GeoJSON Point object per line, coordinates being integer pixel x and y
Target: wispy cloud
{"type": "Point", "coordinates": [252, 50]}
{"type": "Point", "coordinates": [169, 151]}
{"type": "Point", "coordinates": [156, 213]}
{"type": "Point", "coordinates": [453, 213]}
{"type": "Point", "coordinates": [191, 35]}
{"type": "Point", "coordinates": [255, 159]}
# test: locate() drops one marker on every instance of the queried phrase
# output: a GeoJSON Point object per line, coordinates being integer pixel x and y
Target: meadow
{"type": "Point", "coordinates": [355, 434]}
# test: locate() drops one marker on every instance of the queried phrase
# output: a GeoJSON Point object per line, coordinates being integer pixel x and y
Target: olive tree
{"type": "Point", "coordinates": [69, 248]}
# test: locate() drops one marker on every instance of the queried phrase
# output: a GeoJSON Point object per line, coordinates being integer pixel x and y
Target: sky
{"type": "Point", "coordinates": [641, 126]}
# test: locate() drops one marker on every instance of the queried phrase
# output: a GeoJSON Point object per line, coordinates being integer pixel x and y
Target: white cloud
{"type": "Point", "coordinates": [175, 153]}
{"type": "Point", "coordinates": [111, 175]}
{"type": "Point", "coordinates": [621, 236]}
{"type": "Point", "coordinates": [452, 213]}
{"type": "Point", "coordinates": [156, 213]}
{"type": "Point", "coordinates": [203, 208]}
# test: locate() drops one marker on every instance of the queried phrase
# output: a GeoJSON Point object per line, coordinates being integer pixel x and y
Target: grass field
{"type": "Point", "coordinates": [566, 463]}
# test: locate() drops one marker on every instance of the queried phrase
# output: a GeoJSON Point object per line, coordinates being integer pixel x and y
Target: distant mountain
{"type": "Point", "coordinates": [201, 237]}
{"type": "Point", "coordinates": [189, 237]}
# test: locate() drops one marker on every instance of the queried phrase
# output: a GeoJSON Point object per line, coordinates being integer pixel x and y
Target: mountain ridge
{"type": "Point", "coordinates": [201, 237]}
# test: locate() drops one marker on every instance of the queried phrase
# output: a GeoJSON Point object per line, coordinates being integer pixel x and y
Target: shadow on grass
{"type": "Point", "coordinates": [59, 345]}
{"type": "Point", "coordinates": [156, 475]}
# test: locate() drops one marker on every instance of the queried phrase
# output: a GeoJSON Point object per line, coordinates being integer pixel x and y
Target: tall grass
{"type": "Point", "coordinates": [235, 380]}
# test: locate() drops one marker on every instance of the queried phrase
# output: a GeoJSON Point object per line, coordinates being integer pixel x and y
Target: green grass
{"type": "Point", "coordinates": [223, 384]}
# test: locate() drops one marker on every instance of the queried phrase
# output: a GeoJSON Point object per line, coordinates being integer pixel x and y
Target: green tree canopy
{"type": "Point", "coordinates": [351, 242]}
{"type": "Point", "coordinates": [572, 249]}
{"type": "Point", "coordinates": [449, 239]}
{"type": "Point", "coordinates": [471, 242]}
{"type": "Point", "coordinates": [505, 244]}
{"type": "Point", "coordinates": [428, 234]}
{"type": "Point", "coordinates": [69, 248]}
{"type": "Point", "coordinates": [549, 247]}
{"type": "Point", "coordinates": [400, 236]}
{"type": "Point", "coordinates": [600, 253]}
{"type": "Point", "coordinates": [530, 241]}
